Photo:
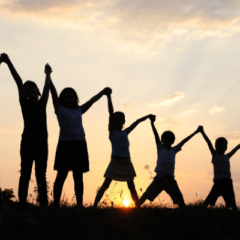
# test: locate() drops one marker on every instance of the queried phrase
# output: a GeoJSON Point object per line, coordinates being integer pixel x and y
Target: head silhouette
{"type": "Point", "coordinates": [31, 89]}
{"type": "Point", "coordinates": [118, 120]}
{"type": "Point", "coordinates": [167, 139]}
{"type": "Point", "coordinates": [69, 98]}
{"type": "Point", "coordinates": [221, 145]}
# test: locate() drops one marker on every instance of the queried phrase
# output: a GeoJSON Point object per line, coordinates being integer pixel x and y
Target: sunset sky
{"type": "Point", "coordinates": [176, 59]}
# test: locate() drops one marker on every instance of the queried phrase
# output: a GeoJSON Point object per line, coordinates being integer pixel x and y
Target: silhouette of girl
{"type": "Point", "coordinates": [71, 151]}
{"type": "Point", "coordinates": [120, 167]}
{"type": "Point", "coordinates": [34, 144]}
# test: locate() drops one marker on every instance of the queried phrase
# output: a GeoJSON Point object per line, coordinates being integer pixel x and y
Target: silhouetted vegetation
{"type": "Point", "coordinates": [152, 222]}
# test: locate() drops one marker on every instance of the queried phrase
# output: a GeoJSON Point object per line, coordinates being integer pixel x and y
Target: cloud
{"type": "Point", "coordinates": [217, 109]}
{"type": "Point", "coordinates": [168, 101]}
{"type": "Point", "coordinates": [168, 121]}
{"type": "Point", "coordinates": [175, 120]}
{"type": "Point", "coordinates": [137, 20]}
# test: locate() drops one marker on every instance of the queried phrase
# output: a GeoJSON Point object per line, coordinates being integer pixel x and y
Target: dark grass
{"type": "Point", "coordinates": [69, 222]}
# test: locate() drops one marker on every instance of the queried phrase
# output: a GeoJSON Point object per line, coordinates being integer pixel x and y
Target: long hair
{"type": "Point", "coordinates": [64, 92]}
{"type": "Point", "coordinates": [28, 82]}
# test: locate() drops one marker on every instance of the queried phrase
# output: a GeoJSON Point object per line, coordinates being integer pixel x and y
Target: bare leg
{"type": "Point", "coordinates": [58, 185]}
{"type": "Point", "coordinates": [133, 191]}
{"type": "Point", "coordinates": [102, 190]}
{"type": "Point", "coordinates": [78, 185]}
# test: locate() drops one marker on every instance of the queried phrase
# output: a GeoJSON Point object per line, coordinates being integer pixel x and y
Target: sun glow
{"type": "Point", "coordinates": [126, 203]}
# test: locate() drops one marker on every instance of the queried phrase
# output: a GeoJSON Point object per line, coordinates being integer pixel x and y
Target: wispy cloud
{"type": "Point", "coordinates": [168, 100]}
{"type": "Point", "coordinates": [217, 109]}
{"type": "Point", "coordinates": [137, 20]}
{"type": "Point", "coordinates": [173, 121]}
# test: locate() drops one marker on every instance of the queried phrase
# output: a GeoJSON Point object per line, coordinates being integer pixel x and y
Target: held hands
{"type": "Point", "coordinates": [48, 69]}
{"type": "Point", "coordinates": [107, 91]}
{"type": "Point", "coordinates": [4, 58]}
{"type": "Point", "coordinates": [199, 129]}
{"type": "Point", "coordinates": [152, 117]}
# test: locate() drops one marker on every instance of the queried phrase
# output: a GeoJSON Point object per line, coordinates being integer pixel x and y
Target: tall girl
{"type": "Point", "coordinates": [120, 167]}
{"type": "Point", "coordinates": [71, 151]}
{"type": "Point", "coordinates": [34, 144]}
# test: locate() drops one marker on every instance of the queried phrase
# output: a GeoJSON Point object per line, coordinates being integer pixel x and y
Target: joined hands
{"type": "Point", "coordinates": [48, 69]}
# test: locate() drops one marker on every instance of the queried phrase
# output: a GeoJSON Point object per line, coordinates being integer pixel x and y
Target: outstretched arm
{"type": "Point", "coordinates": [94, 99]}
{"type": "Point", "coordinates": [234, 151]}
{"type": "Point", "coordinates": [131, 127]}
{"type": "Point", "coordinates": [45, 94]}
{"type": "Point", "coordinates": [22, 96]}
{"type": "Point", "coordinates": [110, 110]}
{"type": "Point", "coordinates": [157, 139]}
{"type": "Point", "coordinates": [55, 98]}
{"type": "Point", "coordinates": [208, 141]}
{"type": "Point", "coordinates": [190, 136]}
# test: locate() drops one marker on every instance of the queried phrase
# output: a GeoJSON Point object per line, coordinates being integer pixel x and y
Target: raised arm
{"type": "Point", "coordinates": [157, 139]}
{"type": "Point", "coordinates": [131, 127]}
{"type": "Point", "coordinates": [94, 99]}
{"type": "Point", "coordinates": [233, 151]}
{"type": "Point", "coordinates": [208, 141]}
{"type": "Point", "coordinates": [110, 110]}
{"type": "Point", "coordinates": [45, 94]}
{"type": "Point", "coordinates": [22, 96]}
{"type": "Point", "coordinates": [190, 136]}
{"type": "Point", "coordinates": [54, 94]}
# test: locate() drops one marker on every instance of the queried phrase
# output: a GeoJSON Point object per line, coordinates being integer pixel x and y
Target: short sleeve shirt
{"type": "Point", "coordinates": [35, 120]}
{"type": "Point", "coordinates": [166, 159]}
{"type": "Point", "coordinates": [120, 144]}
{"type": "Point", "coordinates": [70, 122]}
{"type": "Point", "coordinates": [221, 166]}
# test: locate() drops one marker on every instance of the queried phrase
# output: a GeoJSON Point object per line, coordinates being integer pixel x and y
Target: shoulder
{"type": "Point", "coordinates": [177, 148]}
{"type": "Point", "coordinates": [60, 109]}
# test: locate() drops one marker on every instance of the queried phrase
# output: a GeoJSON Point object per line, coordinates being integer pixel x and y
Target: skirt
{"type": "Point", "coordinates": [120, 169]}
{"type": "Point", "coordinates": [72, 155]}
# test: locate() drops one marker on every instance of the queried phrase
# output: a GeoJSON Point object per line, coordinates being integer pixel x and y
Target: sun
{"type": "Point", "coordinates": [126, 203]}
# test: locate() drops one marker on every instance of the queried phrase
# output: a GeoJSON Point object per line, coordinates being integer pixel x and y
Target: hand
{"type": "Point", "coordinates": [152, 117]}
{"type": "Point", "coordinates": [4, 58]}
{"type": "Point", "coordinates": [200, 129]}
{"type": "Point", "coordinates": [48, 69]}
{"type": "Point", "coordinates": [107, 91]}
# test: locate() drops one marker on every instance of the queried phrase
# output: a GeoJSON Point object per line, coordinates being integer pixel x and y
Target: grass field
{"type": "Point", "coordinates": [68, 222]}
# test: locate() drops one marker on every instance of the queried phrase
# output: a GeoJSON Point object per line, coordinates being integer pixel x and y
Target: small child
{"type": "Point", "coordinates": [164, 179]}
{"type": "Point", "coordinates": [223, 185]}
{"type": "Point", "coordinates": [72, 153]}
{"type": "Point", "coordinates": [34, 144]}
{"type": "Point", "coordinates": [120, 167]}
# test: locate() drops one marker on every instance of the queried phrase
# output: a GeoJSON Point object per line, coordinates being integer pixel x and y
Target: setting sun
{"type": "Point", "coordinates": [126, 203]}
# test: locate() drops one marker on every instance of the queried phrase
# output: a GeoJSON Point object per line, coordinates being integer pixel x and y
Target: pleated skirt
{"type": "Point", "coordinates": [120, 169]}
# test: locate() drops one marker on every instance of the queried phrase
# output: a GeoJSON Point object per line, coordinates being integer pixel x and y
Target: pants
{"type": "Point", "coordinates": [30, 151]}
{"type": "Point", "coordinates": [222, 187]}
{"type": "Point", "coordinates": [170, 186]}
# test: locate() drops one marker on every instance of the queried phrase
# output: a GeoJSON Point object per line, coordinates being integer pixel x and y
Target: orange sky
{"type": "Point", "coordinates": [179, 61]}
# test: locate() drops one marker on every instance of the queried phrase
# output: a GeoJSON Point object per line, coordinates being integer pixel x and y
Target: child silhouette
{"type": "Point", "coordinates": [223, 185]}
{"type": "Point", "coordinates": [164, 179]}
{"type": "Point", "coordinates": [120, 167]}
{"type": "Point", "coordinates": [72, 153]}
{"type": "Point", "coordinates": [34, 144]}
